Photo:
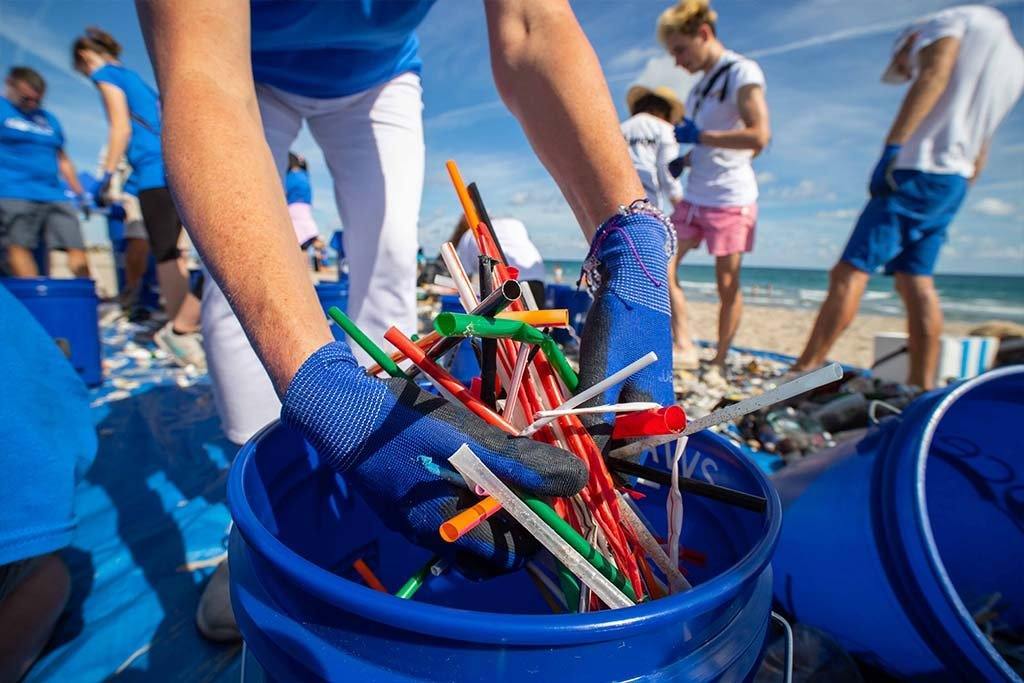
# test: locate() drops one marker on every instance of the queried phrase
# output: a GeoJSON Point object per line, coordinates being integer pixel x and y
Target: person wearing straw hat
{"type": "Point", "coordinates": [966, 71]}
{"type": "Point", "coordinates": [727, 124]}
{"type": "Point", "coordinates": [351, 70]}
{"type": "Point", "coordinates": [649, 132]}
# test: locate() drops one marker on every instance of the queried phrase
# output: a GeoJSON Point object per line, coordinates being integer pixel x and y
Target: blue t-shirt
{"type": "Point", "coordinates": [333, 49]}
{"type": "Point", "coordinates": [47, 433]}
{"type": "Point", "coordinates": [297, 187]}
{"type": "Point", "coordinates": [144, 153]}
{"type": "Point", "coordinates": [28, 154]}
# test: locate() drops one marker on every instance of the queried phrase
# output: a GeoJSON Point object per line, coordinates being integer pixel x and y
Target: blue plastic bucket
{"type": "Point", "coordinates": [890, 543]}
{"type": "Point", "coordinates": [304, 616]}
{"type": "Point", "coordinates": [334, 294]}
{"type": "Point", "coordinates": [463, 365]}
{"type": "Point", "coordinates": [67, 310]}
{"type": "Point", "coordinates": [577, 301]}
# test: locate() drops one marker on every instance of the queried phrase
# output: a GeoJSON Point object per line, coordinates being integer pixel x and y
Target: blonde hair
{"type": "Point", "coordinates": [686, 17]}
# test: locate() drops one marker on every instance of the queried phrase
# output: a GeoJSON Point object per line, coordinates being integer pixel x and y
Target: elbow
{"type": "Point", "coordinates": [761, 139]}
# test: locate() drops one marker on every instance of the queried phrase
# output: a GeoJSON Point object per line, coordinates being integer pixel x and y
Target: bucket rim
{"type": "Point", "coordinates": [918, 454]}
{"type": "Point", "coordinates": [483, 627]}
{"type": "Point", "coordinates": [68, 285]}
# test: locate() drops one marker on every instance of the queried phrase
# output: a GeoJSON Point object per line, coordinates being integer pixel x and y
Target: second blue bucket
{"type": "Point", "coordinates": [67, 311]}
{"type": "Point", "coordinates": [892, 543]}
{"type": "Point", "coordinates": [334, 293]}
{"type": "Point", "coordinates": [305, 616]}
{"type": "Point", "coordinates": [578, 303]}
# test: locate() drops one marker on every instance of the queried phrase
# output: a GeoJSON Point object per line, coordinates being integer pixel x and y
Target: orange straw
{"type": "Point", "coordinates": [450, 384]}
{"type": "Point", "coordinates": [368, 576]}
{"type": "Point", "coordinates": [557, 317]}
{"type": "Point", "coordinates": [423, 342]}
{"type": "Point", "coordinates": [467, 204]}
{"type": "Point", "coordinates": [469, 519]}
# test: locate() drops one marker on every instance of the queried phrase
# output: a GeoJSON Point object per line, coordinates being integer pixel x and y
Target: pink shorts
{"type": "Point", "coordinates": [726, 229]}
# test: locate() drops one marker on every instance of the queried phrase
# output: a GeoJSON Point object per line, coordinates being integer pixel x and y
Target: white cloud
{"type": "Point", "coordinates": [36, 39]}
{"type": "Point", "coordinates": [632, 58]}
{"type": "Point", "coordinates": [464, 116]}
{"type": "Point", "coordinates": [804, 190]}
{"type": "Point", "coordinates": [765, 177]}
{"type": "Point", "coordinates": [839, 214]}
{"type": "Point", "coordinates": [661, 71]}
{"type": "Point", "coordinates": [990, 206]}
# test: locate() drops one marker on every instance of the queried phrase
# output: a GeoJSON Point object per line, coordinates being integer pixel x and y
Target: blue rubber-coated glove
{"type": "Point", "coordinates": [688, 133]}
{"type": "Point", "coordinates": [84, 204]}
{"type": "Point", "coordinates": [392, 441]}
{"type": "Point", "coordinates": [98, 189]}
{"type": "Point", "coordinates": [627, 269]}
{"type": "Point", "coordinates": [881, 178]}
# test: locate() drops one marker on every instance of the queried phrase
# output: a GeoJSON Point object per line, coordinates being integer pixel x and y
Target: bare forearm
{"type": "Point", "coordinates": [551, 80]}
{"type": "Point", "coordinates": [229, 193]}
{"type": "Point", "coordinates": [920, 99]}
{"type": "Point", "coordinates": [70, 174]}
{"type": "Point", "coordinates": [744, 138]}
{"type": "Point", "coordinates": [119, 136]}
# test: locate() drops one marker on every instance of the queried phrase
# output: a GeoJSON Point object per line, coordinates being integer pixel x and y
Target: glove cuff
{"type": "Point", "coordinates": [640, 233]}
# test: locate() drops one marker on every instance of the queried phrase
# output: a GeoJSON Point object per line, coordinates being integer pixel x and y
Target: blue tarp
{"type": "Point", "coordinates": [152, 523]}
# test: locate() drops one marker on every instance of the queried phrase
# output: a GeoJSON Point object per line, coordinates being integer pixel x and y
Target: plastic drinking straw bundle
{"type": "Point", "coordinates": [603, 551]}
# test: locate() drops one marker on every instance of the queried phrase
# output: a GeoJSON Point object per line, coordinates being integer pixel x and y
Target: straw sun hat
{"type": "Point", "coordinates": [676, 108]}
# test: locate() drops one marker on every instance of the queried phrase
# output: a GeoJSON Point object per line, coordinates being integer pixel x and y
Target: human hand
{"type": "Point", "coordinates": [84, 204]}
{"type": "Point", "coordinates": [392, 441]}
{"type": "Point", "coordinates": [678, 165]}
{"type": "Point", "coordinates": [628, 266]}
{"type": "Point", "coordinates": [882, 182]}
{"type": "Point", "coordinates": [688, 133]}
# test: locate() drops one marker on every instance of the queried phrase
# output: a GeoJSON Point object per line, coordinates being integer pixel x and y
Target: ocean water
{"type": "Point", "coordinates": [971, 298]}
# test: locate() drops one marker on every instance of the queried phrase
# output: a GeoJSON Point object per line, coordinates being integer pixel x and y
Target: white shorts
{"type": "Point", "coordinates": [373, 145]}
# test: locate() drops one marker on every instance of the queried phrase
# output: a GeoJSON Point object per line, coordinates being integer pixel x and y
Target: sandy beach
{"type": "Point", "coordinates": [778, 329]}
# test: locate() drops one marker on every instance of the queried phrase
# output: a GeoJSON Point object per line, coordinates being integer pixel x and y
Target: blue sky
{"type": "Point", "coordinates": [821, 58]}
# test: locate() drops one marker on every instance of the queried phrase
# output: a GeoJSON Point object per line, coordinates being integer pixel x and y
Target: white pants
{"type": "Point", "coordinates": [373, 145]}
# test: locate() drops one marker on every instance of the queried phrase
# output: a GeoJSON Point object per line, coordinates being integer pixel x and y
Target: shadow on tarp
{"type": "Point", "coordinates": [152, 504]}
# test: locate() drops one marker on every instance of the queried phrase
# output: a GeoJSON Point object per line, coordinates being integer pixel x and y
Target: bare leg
{"type": "Point", "coordinates": [21, 261]}
{"type": "Point", "coordinates": [846, 286]}
{"type": "Point", "coordinates": [173, 285]}
{"type": "Point", "coordinates": [187, 319]}
{"type": "Point", "coordinates": [727, 274]}
{"type": "Point", "coordinates": [78, 262]}
{"type": "Point", "coordinates": [136, 257]}
{"type": "Point", "coordinates": [924, 325]}
{"type": "Point", "coordinates": [28, 615]}
{"type": "Point", "coordinates": [682, 341]}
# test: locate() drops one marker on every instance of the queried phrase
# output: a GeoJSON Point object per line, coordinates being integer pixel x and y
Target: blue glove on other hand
{"type": "Point", "coordinates": [627, 268]}
{"type": "Point", "coordinates": [881, 178]}
{"type": "Point", "coordinates": [688, 133]}
{"type": "Point", "coordinates": [98, 189]}
{"type": "Point", "coordinates": [390, 440]}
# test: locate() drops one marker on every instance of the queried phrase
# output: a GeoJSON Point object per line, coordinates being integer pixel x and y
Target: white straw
{"type": "Point", "coordinates": [451, 260]}
{"type": "Point", "coordinates": [606, 408]}
{"type": "Point", "coordinates": [472, 469]}
{"type": "Point", "coordinates": [800, 385]}
{"type": "Point", "coordinates": [517, 379]}
{"type": "Point", "coordinates": [595, 390]}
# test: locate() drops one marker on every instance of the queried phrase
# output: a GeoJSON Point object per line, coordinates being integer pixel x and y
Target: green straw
{"type": "Point", "coordinates": [359, 337]}
{"type": "Point", "coordinates": [464, 325]}
{"type": "Point", "coordinates": [416, 581]}
{"type": "Point", "coordinates": [579, 544]}
{"type": "Point", "coordinates": [570, 588]}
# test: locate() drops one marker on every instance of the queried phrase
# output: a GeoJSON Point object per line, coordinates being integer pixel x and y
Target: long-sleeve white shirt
{"type": "Point", "coordinates": [652, 144]}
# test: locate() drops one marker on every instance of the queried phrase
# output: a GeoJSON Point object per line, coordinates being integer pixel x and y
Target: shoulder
{"type": "Point", "coordinates": [949, 23]}
{"type": "Point", "coordinates": [107, 74]}
{"type": "Point", "coordinates": [746, 72]}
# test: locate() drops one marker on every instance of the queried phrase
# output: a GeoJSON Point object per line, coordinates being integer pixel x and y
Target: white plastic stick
{"type": "Point", "coordinates": [595, 390]}
{"type": "Point", "coordinates": [606, 408]}
{"type": "Point", "coordinates": [472, 469]}
{"type": "Point", "coordinates": [800, 385]}
{"type": "Point", "coordinates": [674, 502]}
{"type": "Point", "coordinates": [444, 281]}
{"type": "Point", "coordinates": [451, 260]}
{"type": "Point", "coordinates": [676, 581]}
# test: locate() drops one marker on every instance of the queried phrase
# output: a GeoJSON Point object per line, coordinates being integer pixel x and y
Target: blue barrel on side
{"type": "Point", "coordinates": [463, 363]}
{"type": "Point", "coordinates": [306, 616]}
{"type": "Point", "coordinates": [333, 293]}
{"type": "Point", "coordinates": [67, 311]}
{"type": "Point", "coordinates": [891, 543]}
{"type": "Point", "coordinates": [577, 301]}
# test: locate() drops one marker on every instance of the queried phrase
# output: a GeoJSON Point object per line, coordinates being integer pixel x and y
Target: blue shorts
{"type": "Point", "coordinates": [905, 230]}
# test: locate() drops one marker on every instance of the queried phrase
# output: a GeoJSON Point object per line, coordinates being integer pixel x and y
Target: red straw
{"type": "Point", "coordinates": [654, 422]}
